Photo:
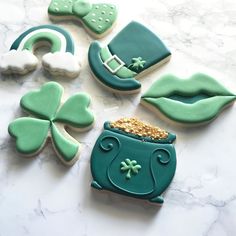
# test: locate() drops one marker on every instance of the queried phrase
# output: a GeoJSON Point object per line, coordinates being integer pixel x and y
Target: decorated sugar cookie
{"type": "Point", "coordinates": [98, 19]}
{"type": "Point", "coordinates": [131, 54]}
{"type": "Point", "coordinates": [134, 159]}
{"type": "Point", "coordinates": [60, 61]}
{"type": "Point", "coordinates": [49, 119]}
{"type": "Point", "coordinates": [190, 102]}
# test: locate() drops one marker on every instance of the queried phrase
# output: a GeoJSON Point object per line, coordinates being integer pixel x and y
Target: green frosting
{"type": "Point", "coordinates": [98, 18]}
{"type": "Point", "coordinates": [66, 148]}
{"type": "Point", "coordinates": [136, 41]}
{"type": "Point", "coordinates": [82, 8]}
{"type": "Point", "coordinates": [30, 133]}
{"type": "Point", "coordinates": [43, 36]}
{"type": "Point", "coordinates": [195, 100]}
{"type": "Point", "coordinates": [61, 7]}
{"type": "Point", "coordinates": [123, 72]}
{"type": "Point", "coordinates": [133, 50]}
{"type": "Point", "coordinates": [75, 112]}
{"type": "Point", "coordinates": [44, 105]}
{"type": "Point", "coordinates": [137, 64]}
{"type": "Point", "coordinates": [104, 76]}
{"type": "Point", "coordinates": [188, 100]}
{"type": "Point", "coordinates": [130, 166]}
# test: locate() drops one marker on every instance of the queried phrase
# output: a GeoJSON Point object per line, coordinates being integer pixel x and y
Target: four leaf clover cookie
{"type": "Point", "coordinates": [49, 120]}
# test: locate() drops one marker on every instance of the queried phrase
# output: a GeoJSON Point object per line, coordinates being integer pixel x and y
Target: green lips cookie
{"type": "Point", "coordinates": [192, 101]}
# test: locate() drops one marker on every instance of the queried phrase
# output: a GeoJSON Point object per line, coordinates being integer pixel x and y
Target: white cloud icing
{"type": "Point", "coordinates": [18, 62]}
{"type": "Point", "coordinates": [61, 63]}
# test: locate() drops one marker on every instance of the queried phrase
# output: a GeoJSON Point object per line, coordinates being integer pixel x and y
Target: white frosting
{"type": "Point", "coordinates": [61, 63]}
{"type": "Point", "coordinates": [18, 62]}
{"type": "Point", "coordinates": [21, 61]}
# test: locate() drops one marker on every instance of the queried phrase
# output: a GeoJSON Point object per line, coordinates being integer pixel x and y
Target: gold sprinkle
{"type": "Point", "coordinates": [137, 127]}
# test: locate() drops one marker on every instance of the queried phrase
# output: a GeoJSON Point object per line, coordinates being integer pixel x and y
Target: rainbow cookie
{"type": "Point", "coordinates": [188, 102]}
{"type": "Point", "coordinates": [134, 159]}
{"type": "Point", "coordinates": [131, 54]}
{"type": "Point", "coordinates": [50, 119]}
{"type": "Point", "coordinates": [98, 19]}
{"type": "Point", "coordinates": [61, 61]}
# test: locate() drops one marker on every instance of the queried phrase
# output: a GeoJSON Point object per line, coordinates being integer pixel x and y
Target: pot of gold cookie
{"type": "Point", "coordinates": [134, 159]}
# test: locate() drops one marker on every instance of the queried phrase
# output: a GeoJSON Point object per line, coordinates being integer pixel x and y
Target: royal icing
{"type": "Point", "coordinates": [113, 65]}
{"type": "Point", "coordinates": [133, 51]}
{"type": "Point", "coordinates": [59, 61]}
{"type": "Point", "coordinates": [98, 19]}
{"type": "Point", "coordinates": [19, 62]}
{"type": "Point", "coordinates": [49, 120]}
{"type": "Point", "coordinates": [134, 159]}
{"type": "Point", "coordinates": [192, 101]}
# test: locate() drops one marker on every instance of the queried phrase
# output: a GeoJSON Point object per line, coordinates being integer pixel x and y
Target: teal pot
{"type": "Point", "coordinates": [131, 165]}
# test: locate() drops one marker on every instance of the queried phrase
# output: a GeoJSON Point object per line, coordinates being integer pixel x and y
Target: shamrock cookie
{"type": "Point", "coordinates": [131, 54]}
{"type": "Point", "coordinates": [61, 61]}
{"type": "Point", "coordinates": [98, 19]}
{"type": "Point", "coordinates": [190, 102]}
{"type": "Point", "coordinates": [134, 159]}
{"type": "Point", "coordinates": [50, 119]}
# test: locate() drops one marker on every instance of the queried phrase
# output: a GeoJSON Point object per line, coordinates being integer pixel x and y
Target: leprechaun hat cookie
{"type": "Point", "coordinates": [49, 120]}
{"type": "Point", "coordinates": [134, 159]}
{"type": "Point", "coordinates": [98, 19]}
{"type": "Point", "coordinates": [132, 53]}
{"type": "Point", "coordinates": [59, 61]}
{"type": "Point", "coordinates": [188, 102]}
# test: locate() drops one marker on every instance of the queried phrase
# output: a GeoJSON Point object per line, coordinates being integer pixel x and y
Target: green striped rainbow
{"type": "Point", "coordinates": [59, 61]}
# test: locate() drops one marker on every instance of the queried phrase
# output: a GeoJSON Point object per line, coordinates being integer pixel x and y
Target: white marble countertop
{"type": "Point", "coordinates": [42, 197]}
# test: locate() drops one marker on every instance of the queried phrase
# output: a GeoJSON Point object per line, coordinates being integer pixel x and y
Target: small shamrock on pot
{"type": "Point", "coordinates": [130, 167]}
{"type": "Point", "coordinates": [49, 120]}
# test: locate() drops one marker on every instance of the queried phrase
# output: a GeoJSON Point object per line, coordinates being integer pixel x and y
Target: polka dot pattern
{"type": "Point", "coordinates": [97, 17]}
{"type": "Point", "coordinates": [61, 7]}
{"type": "Point", "coordinates": [100, 18]}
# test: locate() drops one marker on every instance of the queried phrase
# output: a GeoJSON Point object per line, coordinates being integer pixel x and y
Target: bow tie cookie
{"type": "Point", "coordinates": [189, 102]}
{"type": "Point", "coordinates": [98, 19]}
{"type": "Point", "coordinates": [134, 159]}
{"type": "Point", "coordinates": [131, 54]}
{"type": "Point", "coordinates": [61, 61]}
{"type": "Point", "coordinates": [50, 119]}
